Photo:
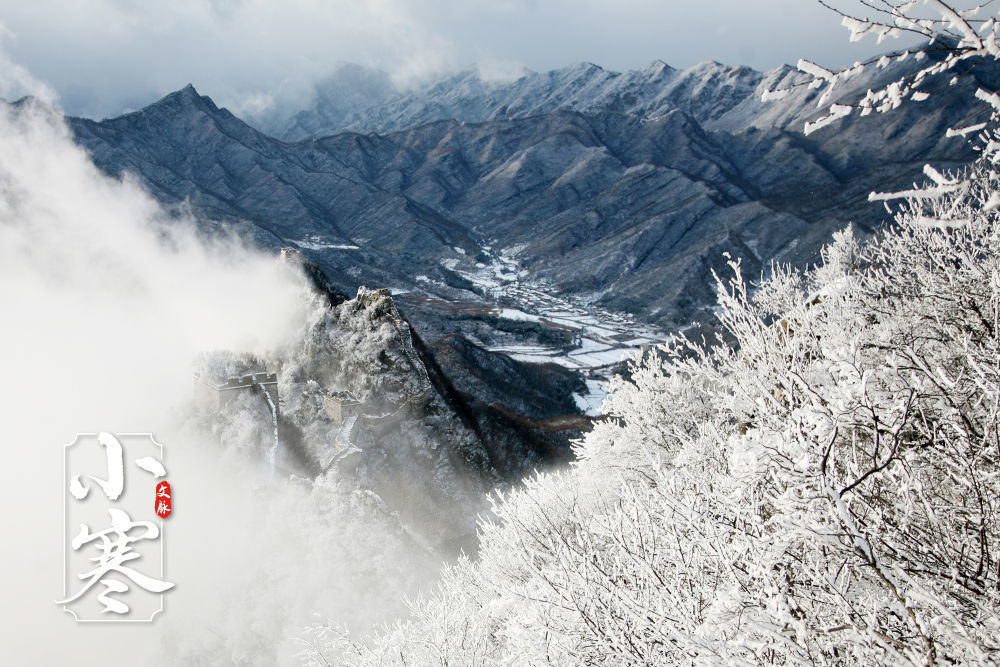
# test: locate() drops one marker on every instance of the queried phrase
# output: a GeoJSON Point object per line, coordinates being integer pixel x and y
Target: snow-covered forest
{"type": "Point", "coordinates": [816, 486]}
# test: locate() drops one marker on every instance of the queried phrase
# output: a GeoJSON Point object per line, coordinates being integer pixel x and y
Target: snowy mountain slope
{"type": "Point", "coordinates": [348, 91]}
{"type": "Point", "coordinates": [708, 91]}
{"type": "Point", "coordinates": [184, 148]}
{"type": "Point", "coordinates": [612, 209]}
{"type": "Point", "coordinates": [721, 97]}
{"type": "Point", "coordinates": [433, 429]}
{"type": "Point", "coordinates": [630, 212]}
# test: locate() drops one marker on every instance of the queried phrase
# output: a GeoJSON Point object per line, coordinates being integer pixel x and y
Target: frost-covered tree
{"type": "Point", "coordinates": [950, 38]}
{"type": "Point", "coordinates": [824, 490]}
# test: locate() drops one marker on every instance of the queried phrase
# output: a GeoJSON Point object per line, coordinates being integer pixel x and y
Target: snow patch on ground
{"type": "Point", "coordinates": [602, 339]}
{"type": "Point", "coordinates": [592, 402]}
{"type": "Point", "coordinates": [316, 243]}
{"type": "Point", "coordinates": [515, 314]}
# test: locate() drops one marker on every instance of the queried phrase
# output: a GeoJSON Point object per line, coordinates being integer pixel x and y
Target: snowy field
{"type": "Point", "coordinates": [601, 339]}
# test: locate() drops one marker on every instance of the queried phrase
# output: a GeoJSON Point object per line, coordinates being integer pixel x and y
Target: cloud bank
{"type": "Point", "coordinates": [107, 56]}
{"type": "Point", "coordinates": [106, 298]}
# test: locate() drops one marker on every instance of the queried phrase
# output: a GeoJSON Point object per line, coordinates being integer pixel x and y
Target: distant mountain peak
{"type": "Point", "coordinates": [185, 98]}
{"type": "Point", "coordinates": [707, 66]}
{"type": "Point", "coordinates": [618, 187]}
{"type": "Point", "coordinates": [188, 94]}
{"type": "Point", "coordinates": [582, 67]}
{"type": "Point", "coordinates": [472, 95]}
{"type": "Point", "coordinates": [31, 104]}
{"type": "Point", "coordinates": [658, 66]}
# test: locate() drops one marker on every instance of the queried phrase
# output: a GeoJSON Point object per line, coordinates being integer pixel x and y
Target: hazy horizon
{"type": "Point", "coordinates": [103, 58]}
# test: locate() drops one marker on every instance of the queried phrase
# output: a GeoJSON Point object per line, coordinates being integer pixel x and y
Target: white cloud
{"type": "Point", "coordinates": [499, 71]}
{"type": "Point", "coordinates": [253, 104]}
{"type": "Point", "coordinates": [105, 298]}
{"type": "Point", "coordinates": [103, 56]}
{"type": "Point", "coordinates": [16, 81]}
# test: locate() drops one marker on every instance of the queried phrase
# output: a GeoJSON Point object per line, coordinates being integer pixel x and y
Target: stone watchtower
{"type": "Point", "coordinates": [340, 406]}
{"type": "Point", "coordinates": [216, 392]}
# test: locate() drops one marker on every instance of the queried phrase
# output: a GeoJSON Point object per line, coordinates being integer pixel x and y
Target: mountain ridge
{"type": "Point", "coordinates": [467, 96]}
{"type": "Point", "coordinates": [628, 212]}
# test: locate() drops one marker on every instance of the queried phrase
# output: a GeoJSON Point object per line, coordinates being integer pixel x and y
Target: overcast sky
{"type": "Point", "coordinates": [103, 57]}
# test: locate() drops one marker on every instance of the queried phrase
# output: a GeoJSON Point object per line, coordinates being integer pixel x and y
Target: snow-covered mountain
{"type": "Point", "coordinates": [350, 90]}
{"type": "Point", "coordinates": [427, 432]}
{"type": "Point", "coordinates": [720, 97]}
{"type": "Point", "coordinates": [489, 233]}
{"type": "Point", "coordinates": [628, 206]}
{"type": "Point", "coordinates": [357, 99]}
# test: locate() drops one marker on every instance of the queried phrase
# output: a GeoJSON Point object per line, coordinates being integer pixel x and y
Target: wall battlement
{"type": "Point", "coordinates": [216, 392]}
{"type": "Point", "coordinates": [340, 405]}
